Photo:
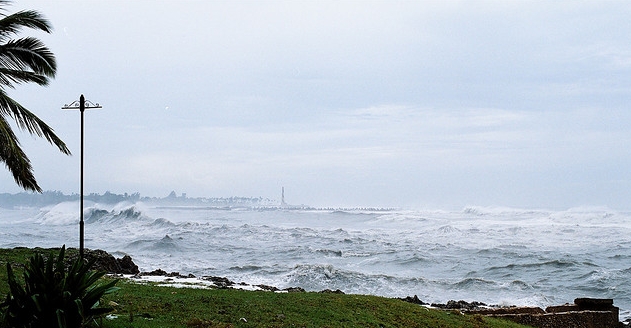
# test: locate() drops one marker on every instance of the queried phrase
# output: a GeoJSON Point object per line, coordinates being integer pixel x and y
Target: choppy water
{"type": "Point", "coordinates": [492, 255]}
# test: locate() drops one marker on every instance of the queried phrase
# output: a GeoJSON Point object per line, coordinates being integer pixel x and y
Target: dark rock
{"type": "Point", "coordinates": [174, 274]}
{"type": "Point", "coordinates": [508, 310]}
{"type": "Point", "coordinates": [268, 288]}
{"type": "Point", "coordinates": [156, 272]}
{"type": "Point", "coordinates": [594, 303]}
{"type": "Point", "coordinates": [104, 261]}
{"type": "Point", "coordinates": [294, 290]}
{"type": "Point", "coordinates": [127, 266]}
{"type": "Point", "coordinates": [220, 282]}
{"type": "Point", "coordinates": [414, 300]}
{"type": "Point", "coordinates": [328, 291]}
{"type": "Point", "coordinates": [459, 305]}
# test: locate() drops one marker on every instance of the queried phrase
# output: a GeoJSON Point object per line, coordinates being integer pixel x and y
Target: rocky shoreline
{"type": "Point", "coordinates": [583, 313]}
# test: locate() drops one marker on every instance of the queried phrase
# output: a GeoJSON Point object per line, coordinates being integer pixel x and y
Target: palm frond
{"type": "Point", "coordinates": [13, 23]}
{"type": "Point", "coordinates": [9, 77]}
{"type": "Point", "coordinates": [15, 159]}
{"type": "Point", "coordinates": [26, 120]}
{"type": "Point", "coordinates": [23, 60]}
{"type": "Point", "coordinates": [28, 54]}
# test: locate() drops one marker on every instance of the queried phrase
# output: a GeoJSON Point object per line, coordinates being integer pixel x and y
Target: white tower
{"type": "Point", "coordinates": [282, 197]}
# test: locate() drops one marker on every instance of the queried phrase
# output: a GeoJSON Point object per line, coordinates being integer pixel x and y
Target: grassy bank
{"type": "Point", "coordinates": [149, 305]}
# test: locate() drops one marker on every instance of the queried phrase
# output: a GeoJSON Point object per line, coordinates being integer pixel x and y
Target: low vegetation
{"type": "Point", "coordinates": [54, 295]}
{"type": "Point", "coordinates": [150, 305]}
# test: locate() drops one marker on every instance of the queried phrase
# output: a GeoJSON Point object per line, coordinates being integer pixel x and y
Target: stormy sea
{"type": "Point", "coordinates": [499, 256]}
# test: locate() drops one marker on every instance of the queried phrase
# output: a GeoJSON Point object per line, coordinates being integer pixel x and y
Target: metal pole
{"type": "Point", "coordinates": [81, 109]}
{"type": "Point", "coordinates": [82, 105]}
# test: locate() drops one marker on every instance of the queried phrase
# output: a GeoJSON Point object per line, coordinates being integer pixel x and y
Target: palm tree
{"type": "Point", "coordinates": [23, 60]}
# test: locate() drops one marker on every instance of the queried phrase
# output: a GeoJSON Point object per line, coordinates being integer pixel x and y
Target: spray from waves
{"type": "Point", "coordinates": [97, 215]}
{"type": "Point", "coordinates": [315, 277]}
{"type": "Point", "coordinates": [65, 213]}
{"type": "Point", "coordinates": [584, 214]}
{"type": "Point", "coordinates": [503, 211]}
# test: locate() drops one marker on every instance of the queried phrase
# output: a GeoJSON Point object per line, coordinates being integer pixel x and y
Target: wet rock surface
{"type": "Point", "coordinates": [459, 305]}
{"type": "Point", "coordinates": [328, 291]}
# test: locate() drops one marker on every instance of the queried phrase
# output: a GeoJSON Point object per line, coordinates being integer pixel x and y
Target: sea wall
{"type": "Point", "coordinates": [584, 313]}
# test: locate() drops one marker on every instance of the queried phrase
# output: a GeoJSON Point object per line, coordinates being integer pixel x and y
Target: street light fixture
{"type": "Point", "coordinates": [81, 105]}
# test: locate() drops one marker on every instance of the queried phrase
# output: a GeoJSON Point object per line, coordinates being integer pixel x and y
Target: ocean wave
{"type": "Point", "coordinates": [65, 213]}
{"type": "Point", "coordinates": [607, 276]}
{"type": "Point", "coordinates": [97, 215]}
{"type": "Point", "coordinates": [329, 252]}
{"type": "Point", "coordinates": [447, 229]}
{"type": "Point", "coordinates": [503, 211]}
{"type": "Point", "coordinates": [341, 212]}
{"type": "Point", "coordinates": [472, 283]}
{"type": "Point", "coordinates": [68, 213]}
{"type": "Point", "coordinates": [162, 222]}
{"type": "Point", "coordinates": [358, 212]}
{"type": "Point", "coordinates": [506, 250]}
{"type": "Point", "coordinates": [519, 284]}
{"type": "Point", "coordinates": [584, 214]}
{"type": "Point", "coordinates": [166, 243]}
{"type": "Point", "coordinates": [413, 260]}
{"type": "Point", "coordinates": [246, 268]}
{"type": "Point", "coordinates": [317, 277]}
{"type": "Point", "coordinates": [535, 266]}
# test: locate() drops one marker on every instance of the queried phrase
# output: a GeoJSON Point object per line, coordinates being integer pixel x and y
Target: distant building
{"type": "Point", "coordinates": [282, 197]}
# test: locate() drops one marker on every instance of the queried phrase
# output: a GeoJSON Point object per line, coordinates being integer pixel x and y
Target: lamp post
{"type": "Point", "coordinates": [81, 105]}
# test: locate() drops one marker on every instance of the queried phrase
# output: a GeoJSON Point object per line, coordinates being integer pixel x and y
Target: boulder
{"type": "Point", "coordinates": [459, 305]}
{"type": "Point", "coordinates": [328, 291]}
{"type": "Point", "coordinates": [414, 300]}
{"type": "Point", "coordinates": [104, 261]}
{"type": "Point", "coordinates": [127, 266]}
{"type": "Point", "coordinates": [157, 272]}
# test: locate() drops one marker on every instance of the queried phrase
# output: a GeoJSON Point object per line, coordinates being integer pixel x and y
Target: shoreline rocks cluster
{"type": "Point", "coordinates": [450, 305]}
{"type": "Point", "coordinates": [223, 282]}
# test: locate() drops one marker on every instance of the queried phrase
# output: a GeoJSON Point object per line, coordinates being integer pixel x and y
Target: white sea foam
{"type": "Point", "coordinates": [61, 214]}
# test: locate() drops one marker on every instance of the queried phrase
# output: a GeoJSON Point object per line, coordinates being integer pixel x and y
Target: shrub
{"type": "Point", "coordinates": [53, 295]}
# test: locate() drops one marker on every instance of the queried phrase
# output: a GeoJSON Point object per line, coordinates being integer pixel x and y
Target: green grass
{"type": "Point", "coordinates": [149, 305]}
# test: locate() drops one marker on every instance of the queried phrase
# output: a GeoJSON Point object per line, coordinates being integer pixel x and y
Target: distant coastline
{"type": "Point", "coordinates": [47, 198]}
{"type": "Point", "coordinates": [26, 199]}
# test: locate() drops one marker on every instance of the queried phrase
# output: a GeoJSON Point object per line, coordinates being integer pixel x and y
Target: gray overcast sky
{"type": "Point", "coordinates": [439, 104]}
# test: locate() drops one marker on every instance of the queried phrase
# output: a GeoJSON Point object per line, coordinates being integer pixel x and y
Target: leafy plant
{"type": "Point", "coordinates": [53, 295]}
